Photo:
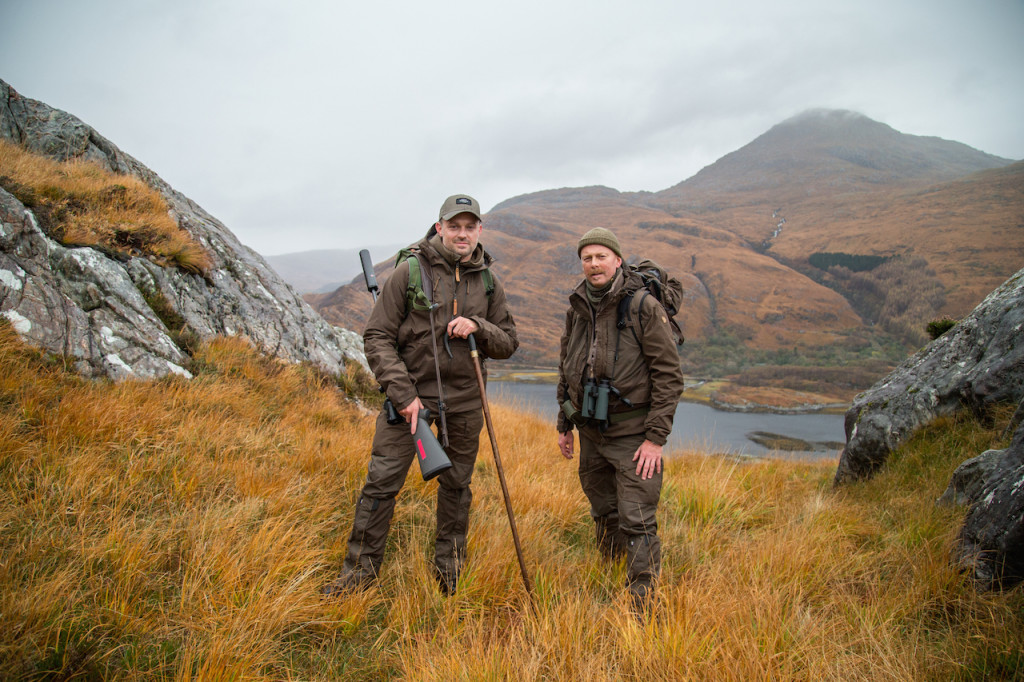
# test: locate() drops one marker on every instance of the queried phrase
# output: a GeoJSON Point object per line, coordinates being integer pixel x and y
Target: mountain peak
{"type": "Point", "coordinates": [831, 126]}
{"type": "Point", "coordinates": [824, 149]}
{"type": "Point", "coordinates": [830, 116]}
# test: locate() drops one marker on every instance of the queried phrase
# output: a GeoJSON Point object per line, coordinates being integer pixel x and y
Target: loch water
{"type": "Point", "coordinates": [703, 428]}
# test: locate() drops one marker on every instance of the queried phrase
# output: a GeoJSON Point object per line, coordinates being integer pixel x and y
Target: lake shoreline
{"type": "Point", "coordinates": [802, 408]}
{"type": "Point", "coordinates": [703, 392]}
{"type": "Point", "coordinates": [700, 426]}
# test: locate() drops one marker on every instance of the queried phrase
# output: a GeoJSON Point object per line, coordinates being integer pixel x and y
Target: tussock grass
{"type": "Point", "coordinates": [81, 204]}
{"type": "Point", "coordinates": [181, 529]}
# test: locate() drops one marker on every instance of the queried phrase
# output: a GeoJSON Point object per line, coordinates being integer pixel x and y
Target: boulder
{"type": "Point", "coordinates": [977, 363]}
{"type": "Point", "coordinates": [96, 309]}
{"type": "Point", "coordinates": [991, 543]}
{"type": "Point", "coordinates": [968, 480]}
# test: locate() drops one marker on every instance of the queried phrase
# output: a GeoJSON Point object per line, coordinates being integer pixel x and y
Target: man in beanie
{"type": "Point", "coordinates": [619, 388]}
{"type": "Point", "coordinates": [467, 299]}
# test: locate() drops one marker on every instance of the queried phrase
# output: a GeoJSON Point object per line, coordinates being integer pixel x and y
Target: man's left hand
{"type": "Point", "coordinates": [462, 327]}
{"type": "Point", "coordinates": [648, 460]}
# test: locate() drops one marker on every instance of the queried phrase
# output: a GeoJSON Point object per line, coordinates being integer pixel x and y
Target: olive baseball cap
{"type": "Point", "coordinates": [459, 203]}
{"type": "Point", "coordinates": [603, 237]}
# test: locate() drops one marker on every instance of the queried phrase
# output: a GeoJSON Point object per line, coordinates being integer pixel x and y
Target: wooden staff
{"type": "Point", "coordinates": [501, 472]}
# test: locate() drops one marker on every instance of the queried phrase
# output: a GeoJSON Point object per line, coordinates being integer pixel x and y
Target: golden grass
{"type": "Point", "coordinates": [182, 529]}
{"type": "Point", "coordinates": [81, 204]}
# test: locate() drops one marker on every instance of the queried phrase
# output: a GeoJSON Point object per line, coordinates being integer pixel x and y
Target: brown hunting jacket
{"type": "Point", "coordinates": [647, 373]}
{"type": "Point", "coordinates": [397, 340]}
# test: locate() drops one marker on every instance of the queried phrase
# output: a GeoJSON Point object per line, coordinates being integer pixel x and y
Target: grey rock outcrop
{"type": "Point", "coordinates": [977, 363]}
{"type": "Point", "coordinates": [92, 307]}
{"type": "Point", "coordinates": [968, 481]}
{"type": "Point", "coordinates": [991, 543]}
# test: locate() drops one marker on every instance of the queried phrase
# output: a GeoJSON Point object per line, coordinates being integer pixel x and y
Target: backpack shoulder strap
{"type": "Point", "coordinates": [488, 281]}
{"type": "Point", "coordinates": [622, 316]}
{"type": "Point", "coordinates": [626, 310]}
{"type": "Point", "coordinates": [418, 294]}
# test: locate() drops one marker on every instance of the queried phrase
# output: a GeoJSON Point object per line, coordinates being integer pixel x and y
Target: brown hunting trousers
{"type": "Point", "coordinates": [390, 458]}
{"type": "Point", "coordinates": [623, 506]}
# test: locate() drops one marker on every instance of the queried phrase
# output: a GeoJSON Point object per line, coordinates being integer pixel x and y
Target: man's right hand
{"type": "Point", "coordinates": [566, 444]}
{"type": "Point", "coordinates": [411, 413]}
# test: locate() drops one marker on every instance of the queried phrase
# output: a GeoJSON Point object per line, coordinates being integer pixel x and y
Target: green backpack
{"type": "Point", "coordinates": [418, 293]}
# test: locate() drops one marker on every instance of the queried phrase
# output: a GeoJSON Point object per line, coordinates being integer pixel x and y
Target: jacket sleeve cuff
{"type": "Point", "coordinates": [657, 438]}
{"type": "Point", "coordinates": [401, 398]}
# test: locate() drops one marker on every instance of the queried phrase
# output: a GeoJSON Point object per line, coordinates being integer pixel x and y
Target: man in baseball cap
{"type": "Point", "coordinates": [401, 349]}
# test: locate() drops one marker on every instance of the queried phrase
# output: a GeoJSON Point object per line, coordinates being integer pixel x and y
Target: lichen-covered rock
{"type": "Point", "coordinates": [968, 480]}
{"type": "Point", "coordinates": [977, 363]}
{"type": "Point", "coordinates": [96, 309]}
{"type": "Point", "coordinates": [991, 543]}
{"type": "Point", "coordinates": [78, 303]}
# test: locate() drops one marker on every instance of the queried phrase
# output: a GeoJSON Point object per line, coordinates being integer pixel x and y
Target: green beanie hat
{"type": "Point", "coordinates": [602, 236]}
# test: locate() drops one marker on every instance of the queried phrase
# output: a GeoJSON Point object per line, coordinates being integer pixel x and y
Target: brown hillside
{"type": "Point", "coordinates": [708, 260]}
{"type": "Point", "coordinates": [830, 159]}
{"type": "Point", "coordinates": [738, 234]}
{"type": "Point", "coordinates": [534, 244]}
{"type": "Point", "coordinates": [970, 230]}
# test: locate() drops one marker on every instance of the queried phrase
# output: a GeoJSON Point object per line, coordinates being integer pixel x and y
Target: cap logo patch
{"type": "Point", "coordinates": [464, 200]}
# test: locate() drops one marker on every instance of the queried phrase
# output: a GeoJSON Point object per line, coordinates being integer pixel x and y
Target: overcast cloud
{"type": "Point", "coordinates": [326, 124]}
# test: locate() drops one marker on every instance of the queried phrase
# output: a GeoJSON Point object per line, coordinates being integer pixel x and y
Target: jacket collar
{"type": "Point", "coordinates": [619, 286]}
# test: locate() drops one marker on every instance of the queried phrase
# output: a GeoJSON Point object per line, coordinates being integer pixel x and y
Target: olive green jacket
{"type": "Point", "coordinates": [397, 341]}
{"type": "Point", "coordinates": [647, 373]}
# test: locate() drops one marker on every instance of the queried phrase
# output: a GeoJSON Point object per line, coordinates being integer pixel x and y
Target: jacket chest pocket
{"type": "Point", "coordinates": [465, 298]}
{"type": "Point", "coordinates": [631, 356]}
{"type": "Point", "coordinates": [622, 355]}
{"type": "Point", "coordinates": [577, 350]}
{"type": "Point", "coordinates": [414, 327]}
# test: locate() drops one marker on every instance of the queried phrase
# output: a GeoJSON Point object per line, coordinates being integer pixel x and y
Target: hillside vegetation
{"type": "Point", "coordinates": [181, 530]}
{"type": "Point", "coordinates": [78, 203]}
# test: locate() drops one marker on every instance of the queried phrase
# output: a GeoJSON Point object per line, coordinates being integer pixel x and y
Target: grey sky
{"type": "Point", "coordinates": [330, 124]}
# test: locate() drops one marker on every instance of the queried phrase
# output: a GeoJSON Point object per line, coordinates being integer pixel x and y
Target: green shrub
{"type": "Point", "coordinates": [937, 328]}
{"type": "Point", "coordinates": [850, 261]}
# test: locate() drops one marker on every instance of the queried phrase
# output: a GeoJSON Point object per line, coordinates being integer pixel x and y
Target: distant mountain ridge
{"type": "Point", "coordinates": [825, 151]}
{"type": "Point", "coordinates": [324, 270]}
{"type": "Point", "coordinates": [739, 234]}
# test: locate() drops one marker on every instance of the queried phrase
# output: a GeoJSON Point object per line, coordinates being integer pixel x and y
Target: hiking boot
{"type": "Point", "coordinates": [611, 542]}
{"type": "Point", "coordinates": [447, 582]}
{"type": "Point", "coordinates": [641, 602]}
{"type": "Point", "coordinates": [348, 581]}
{"type": "Point", "coordinates": [612, 546]}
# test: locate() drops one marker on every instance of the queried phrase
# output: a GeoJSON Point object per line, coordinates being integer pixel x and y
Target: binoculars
{"type": "Point", "coordinates": [392, 414]}
{"type": "Point", "coordinates": [595, 400]}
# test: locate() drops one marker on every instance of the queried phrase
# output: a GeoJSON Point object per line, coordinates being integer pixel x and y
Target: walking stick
{"type": "Point", "coordinates": [501, 472]}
